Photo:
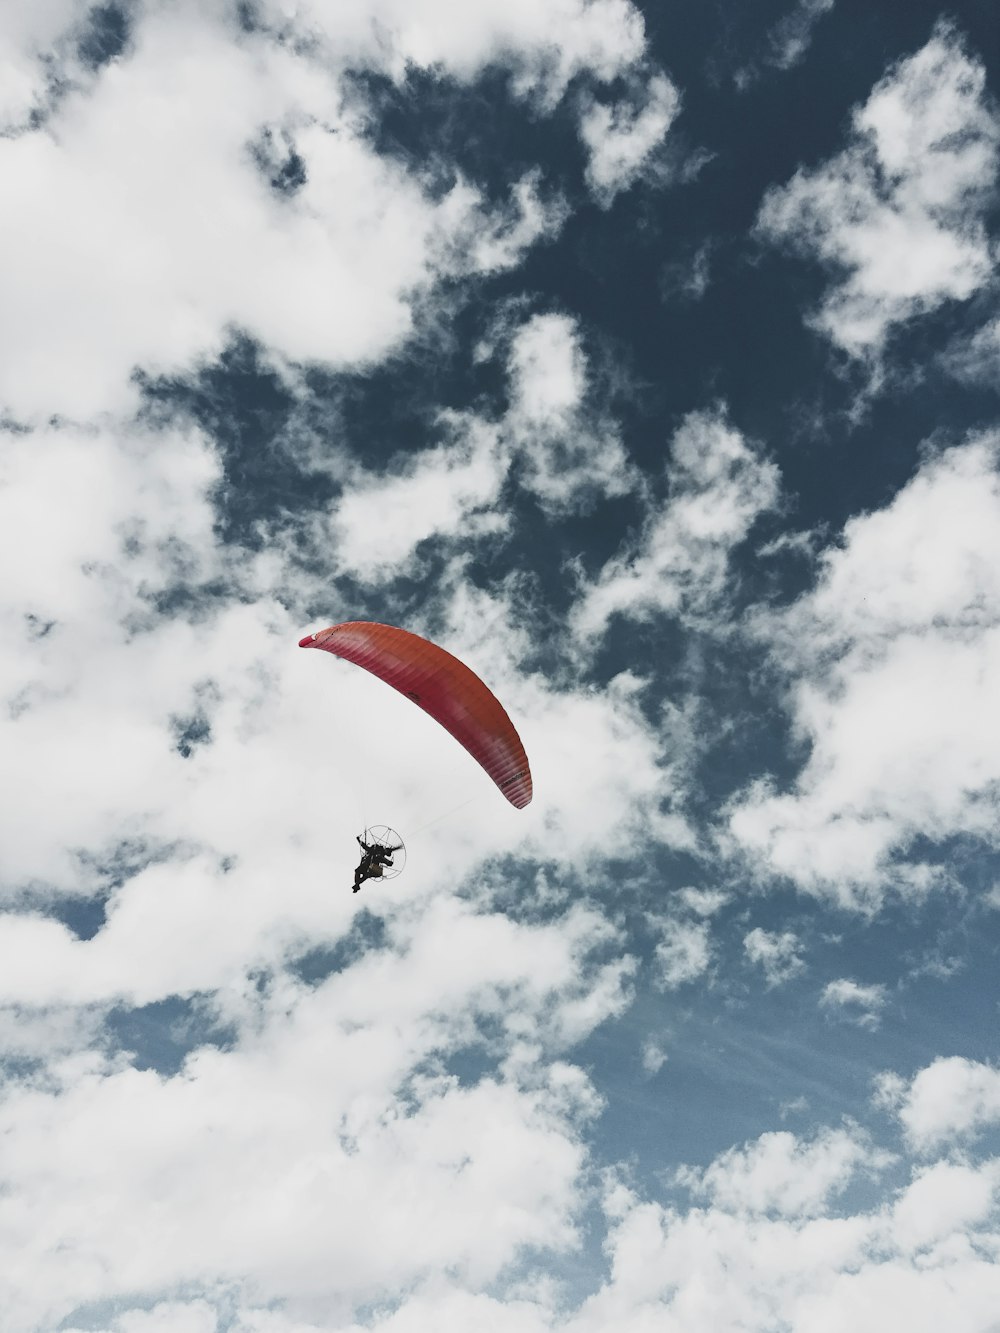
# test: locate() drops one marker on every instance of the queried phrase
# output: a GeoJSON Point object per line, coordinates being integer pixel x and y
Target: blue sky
{"type": "Point", "coordinates": [645, 356]}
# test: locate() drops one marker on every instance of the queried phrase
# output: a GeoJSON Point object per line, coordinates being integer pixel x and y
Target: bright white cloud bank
{"type": "Point", "coordinates": [899, 216]}
{"type": "Point", "coordinates": [893, 662]}
{"type": "Point", "coordinates": [754, 1257]}
{"type": "Point", "coordinates": [325, 1158]}
{"type": "Point", "coordinates": [147, 230]}
{"type": "Point", "coordinates": [548, 45]}
{"type": "Point", "coordinates": [460, 1180]}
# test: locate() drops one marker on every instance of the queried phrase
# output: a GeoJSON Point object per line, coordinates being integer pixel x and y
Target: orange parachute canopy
{"type": "Point", "coordinates": [444, 687]}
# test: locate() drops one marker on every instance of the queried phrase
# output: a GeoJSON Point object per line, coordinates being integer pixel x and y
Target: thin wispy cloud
{"type": "Point", "coordinates": [854, 1001]}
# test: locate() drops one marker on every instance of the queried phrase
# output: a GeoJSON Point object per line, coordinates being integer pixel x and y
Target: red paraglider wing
{"type": "Point", "coordinates": [444, 687]}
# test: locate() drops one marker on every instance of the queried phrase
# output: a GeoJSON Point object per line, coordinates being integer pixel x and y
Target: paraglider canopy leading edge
{"type": "Point", "coordinates": [442, 686]}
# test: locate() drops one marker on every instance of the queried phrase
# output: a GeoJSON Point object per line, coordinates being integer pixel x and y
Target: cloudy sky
{"type": "Point", "coordinates": [644, 353]}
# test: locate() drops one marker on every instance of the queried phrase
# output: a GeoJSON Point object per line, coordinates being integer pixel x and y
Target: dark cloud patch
{"type": "Point", "coordinates": [291, 175]}
{"type": "Point", "coordinates": [106, 35]}
{"type": "Point", "coordinates": [194, 729]}
{"type": "Point", "coordinates": [248, 17]}
{"type": "Point", "coordinates": [192, 601]}
{"type": "Point", "coordinates": [37, 626]}
{"type": "Point", "coordinates": [278, 161]}
{"type": "Point", "coordinates": [190, 733]}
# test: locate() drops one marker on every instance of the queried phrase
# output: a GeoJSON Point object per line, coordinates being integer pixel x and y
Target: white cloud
{"type": "Point", "coordinates": [449, 491]}
{"type": "Point", "coordinates": [548, 371]}
{"type": "Point", "coordinates": [976, 359]}
{"type": "Point", "coordinates": [622, 139]}
{"type": "Point", "coordinates": [81, 576]}
{"type": "Point", "coordinates": [892, 658]}
{"type": "Point", "coordinates": [325, 1164]}
{"type": "Point", "coordinates": [147, 231]}
{"type": "Point", "coordinates": [786, 42]}
{"type": "Point", "coordinates": [31, 35]}
{"type": "Point", "coordinates": [777, 953]}
{"type": "Point", "coordinates": [147, 215]}
{"type": "Point", "coordinates": [187, 923]}
{"type": "Point", "coordinates": [951, 1100]}
{"type": "Point", "coordinates": [477, 239]}
{"type": "Point", "coordinates": [770, 1242]}
{"type": "Point", "coordinates": [944, 1200]}
{"type": "Point", "coordinates": [703, 902]}
{"type": "Point", "coordinates": [452, 492]}
{"type": "Point", "coordinates": [859, 1003]}
{"type": "Point", "coordinates": [442, 1305]}
{"type": "Point", "coordinates": [571, 451]}
{"type": "Point", "coordinates": [796, 1106]}
{"type": "Point", "coordinates": [96, 683]}
{"type": "Point", "coordinates": [689, 277]}
{"type": "Point", "coordinates": [545, 46]}
{"type": "Point", "coordinates": [164, 1317]}
{"type": "Point", "coordinates": [54, 1033]}
{"type": "Point", "coordinates": [900, 213]}
{"type": "Point", "coordinates": [680, 566]}
{"type": "Point", "coordinates": [654, 1057]}
{"type": "Point", "coordinates": [102, 803]}
{"type": "Point", "coordinates": [603, 777]}
{"type": "Point", "coordinates": [780, 1175]}
{"type": "Point", "coordinates": [333, 1094]}
{"type": "Point", "coordinates": [769, 1249]}
{"type": "Point", "coordinates": [683, 952]}
{"type": "Point", "coordinates": [791, 36]}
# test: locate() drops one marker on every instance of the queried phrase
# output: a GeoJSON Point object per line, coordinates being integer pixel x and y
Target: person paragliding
{"type": "Point", "coordinates": [375, 856]}
{"type": "Point", "coordinates": [452, 694]}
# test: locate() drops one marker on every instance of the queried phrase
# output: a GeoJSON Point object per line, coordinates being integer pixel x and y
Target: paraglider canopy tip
{"type": "Point", "coordinates": [307, 642]}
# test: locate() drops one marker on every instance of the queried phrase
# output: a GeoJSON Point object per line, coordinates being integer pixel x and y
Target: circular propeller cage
{"type": "Point", "coordinates": [387, 837]}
